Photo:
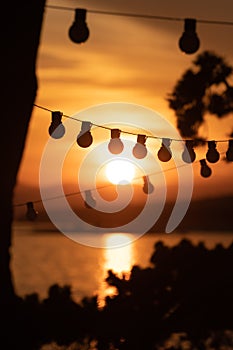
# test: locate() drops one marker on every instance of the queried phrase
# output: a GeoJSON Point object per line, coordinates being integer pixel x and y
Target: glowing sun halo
{"type": "Point", "coordinates": [120, 171]}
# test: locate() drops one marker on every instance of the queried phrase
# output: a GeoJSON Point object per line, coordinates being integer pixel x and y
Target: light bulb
{"type": "Point", "coordinates": [56, 128]}
{"type": "Point", "coordinates": [84, 138]}
{"type": "Point", "coordinates": [115, 145]}
{"type": "Point", "coordinates": [212, 154]}
{"type": "Point", "coordinates": [147, 186]}
{"type": "Point", "coordinates": [140, 150]}
{"type": "Point", "coordinates": [189, 41]}
{"type": "Point", "coordinates": [205, 169]}
{"type": "Point", "coordinates": [229, 153]}
{"type": "Point", "coordinates": [188, 154]}
{"type": "Point", "coordinates": [164, 153]}
{"type": "Point", "coordinates": [31, 213]}
{"type": "Point", "coordinates": [89, 202]}
{"type": "Point", "coordinates": [79, 32]}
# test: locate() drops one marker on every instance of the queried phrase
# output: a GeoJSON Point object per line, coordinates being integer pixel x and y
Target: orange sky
{"type": "Point", "coordinates": [129, 60]}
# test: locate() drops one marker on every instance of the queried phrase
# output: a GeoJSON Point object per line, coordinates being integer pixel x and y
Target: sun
{"type": "Point", "coordinates": [120, 171]}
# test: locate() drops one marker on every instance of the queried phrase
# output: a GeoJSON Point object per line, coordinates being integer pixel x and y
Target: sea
{"type": "Point", "coordinates": [42, 257]}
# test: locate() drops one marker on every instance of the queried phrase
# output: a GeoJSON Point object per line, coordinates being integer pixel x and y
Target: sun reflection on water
{"type": "Point", "coordinates": [119, 259]}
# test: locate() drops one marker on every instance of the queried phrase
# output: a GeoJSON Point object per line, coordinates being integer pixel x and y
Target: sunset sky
{"type": "Point", "coordinates": [129, 60]}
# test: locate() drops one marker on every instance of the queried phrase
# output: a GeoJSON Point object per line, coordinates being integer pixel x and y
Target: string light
{"type": "Point", "coordinates": [212, 154]}
{"type": "Point", "coordinates": [56, 128]}
{"type": "Point", "coordinates": [205, 172]}
{"type": "Point", "coordinates": [115, 145]}
{"type": "Point", "coordinates": [205, 169]}
{"type": "Point", "coordinates": [164, 153]}
{"type": "Point", "coordinates": [140, 150]}
{"type": "Point", "coordinates": [79, 32]}
{"type": "Point", "coordinates": [148, 187]}
{"type": "Point", "coordinates": [189, 42]}
{"type": "Point", "coordinates": [84, 138]}
{"type": "Point", "coordinates": [137, 15]}
{"type": "Point", "coordinates": [31, 213]}
{"type": "Point", "coordinates": [229, 153]}
{"type": "Point", "coordinates": [189, 154]}
{"type": "Point", "coordinates": [127, 132]}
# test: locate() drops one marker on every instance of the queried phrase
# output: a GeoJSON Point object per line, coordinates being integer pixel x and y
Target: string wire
{"type": "Point", "coordinates": [107, 185]}
{"type": "Point", "coordinates": [137, 15]}
{"type": "Point", "coordinates": [70, 194]}
{"type": "Point", "coordinates": [128, 132]}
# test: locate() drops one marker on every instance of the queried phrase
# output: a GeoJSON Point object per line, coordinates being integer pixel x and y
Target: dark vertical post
{"type": "Point", "coordinates": [21, 23]}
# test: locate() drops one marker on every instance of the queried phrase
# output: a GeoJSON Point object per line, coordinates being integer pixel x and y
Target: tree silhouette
{"type": "Point", "coordinates": [202, 89]}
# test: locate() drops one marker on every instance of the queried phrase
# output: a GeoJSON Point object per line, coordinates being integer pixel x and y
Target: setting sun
{"type": "Point", "coordinates": [120, 171]}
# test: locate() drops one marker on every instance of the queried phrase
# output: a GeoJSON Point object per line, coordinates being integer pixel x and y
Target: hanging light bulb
{"type": "Point", "coordinates": [147, 186]}
{"type": "Point", "coordinates": [115, 145]}
{"type": "Point", "coordinates": [165, 153]}
{"type": "Point", "coordinates": [140, 150]}
{"type": "Point", "coordinates": [90, 201]}
{"type": "Point", "coordinates": [84, 138]}
{"type": "Point", "coordinates": [205, 169]}
{"type": "Point", "coordinates": [212, 154]}
{"type": "Point", "coordinates": [229, 153]}
{"type": "Point", "coordinates": [31, 213]}
{"type": "Point", "coordinates": [189, 41]}
{"type": "Point", "coordinates": [56, 128]}
{"type": "Point", "coordinates": [188, 154]}
{"type": "Point", "coordinates": [79, 32]}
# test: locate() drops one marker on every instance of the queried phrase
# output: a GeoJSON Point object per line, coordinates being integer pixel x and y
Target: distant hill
{"type": "Point", "coordinates": [209, 214]}
{"type": "Point", "coordinates": [214, 214]}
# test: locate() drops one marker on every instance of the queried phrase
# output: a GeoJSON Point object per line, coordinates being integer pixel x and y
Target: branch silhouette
{"type": "Point", "coordinates": [202, 89]}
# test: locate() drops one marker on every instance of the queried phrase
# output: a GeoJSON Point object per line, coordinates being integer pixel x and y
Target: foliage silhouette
{"type": "Point", "coordinates": [201, 90]}
{"type": "Point", "coordinates": [187, 290]}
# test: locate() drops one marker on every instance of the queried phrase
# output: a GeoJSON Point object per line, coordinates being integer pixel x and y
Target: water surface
{"type": "Point", "coordinates": [41, 257]}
